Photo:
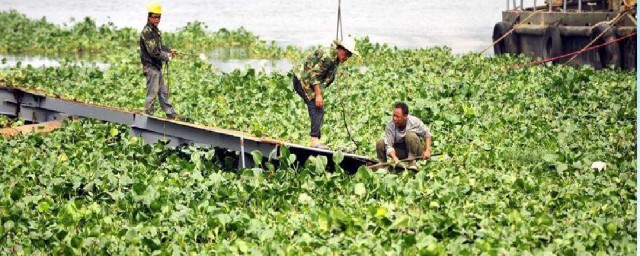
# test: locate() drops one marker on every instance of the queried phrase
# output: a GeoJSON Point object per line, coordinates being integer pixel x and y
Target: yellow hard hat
{"type": "Point", "coordinates": [154, 7]}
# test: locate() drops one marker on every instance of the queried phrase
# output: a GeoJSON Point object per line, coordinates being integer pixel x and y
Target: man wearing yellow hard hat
{"type": "Point", "coordinates": [315, 73]}
{"type": "Point", "coordinates": [152, 54]}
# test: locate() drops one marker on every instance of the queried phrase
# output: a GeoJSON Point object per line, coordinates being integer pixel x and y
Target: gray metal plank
{"type": "Point", "coordinates": [88, 110]}
{"type": "Point", "coordinates": [326, 152]}
{"type": "Point", "coordinates": [38, 108]}
{"type": "Point", "coordinates": [8, 108]}
{"type": "Point", "coordinates": [187, 132]}
{"type": "Point", "coordinates": [30, 100]}
{"type": "Point", "coordinates": [37, 115]}
{"type": "Point", "coordinates": [152, 137]}
{"type": "Point", "coordinates": [7, 96]}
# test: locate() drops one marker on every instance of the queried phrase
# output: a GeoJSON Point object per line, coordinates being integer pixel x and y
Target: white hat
{"type": "Point", "coordinates": [349, 44]}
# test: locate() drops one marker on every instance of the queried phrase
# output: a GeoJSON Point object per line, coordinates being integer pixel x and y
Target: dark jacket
{"type": "Point", "coordinates": [152, 52]}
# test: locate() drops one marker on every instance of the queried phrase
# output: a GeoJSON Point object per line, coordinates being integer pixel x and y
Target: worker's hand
{"type": "Point", "coordinates": [395, 159]}
{"type": "Point", "coordinates": [173, 53]}
{"type": "Point", "coordinates": [426, 155]}
{"type": "Point", "coordinates": [319, 101]}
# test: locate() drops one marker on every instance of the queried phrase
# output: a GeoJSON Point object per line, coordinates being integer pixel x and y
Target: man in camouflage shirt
{"type": "Point", "coordinates": [152, 54]}
{"type": "Point", "coordinates": [316, 72]}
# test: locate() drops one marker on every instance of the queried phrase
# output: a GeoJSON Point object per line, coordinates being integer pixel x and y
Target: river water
{"type": "Point", "coordinates": [462, 25]}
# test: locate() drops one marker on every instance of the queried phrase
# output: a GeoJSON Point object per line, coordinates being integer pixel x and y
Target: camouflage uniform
{"type": "Point", "coordinates": [320, 69]}
{"type": "Point", "coordinates": [152, 54]}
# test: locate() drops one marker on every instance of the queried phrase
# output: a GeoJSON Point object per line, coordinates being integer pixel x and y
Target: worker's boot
{"type": "Point", "coordinates": [316, 143]}
{"type": "Point", "coordinates": [177, 117]}
{"type": "Point", "coordinates": [413, 166]}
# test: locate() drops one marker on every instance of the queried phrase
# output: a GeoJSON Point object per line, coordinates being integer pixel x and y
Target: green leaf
{"type": "Point", "coordinates": [338, 157]}
{"type": "Point", "coordinates": [381, 212]}
{"type": "Point", "coordinates": [257, 157]}
{"type": "Point", "coordinates": [303, 198]}
{"type": "Point", "coordinates": [43, 207]}
{"type": "Point", "coordinates": [197, 175]}
{"type": "Point", "coordinates": [77, 242]}
{"type": "Point", "coordinates": [139, 188]}
{"type": "Point", "coordinates": [113, 132]}
{"type": "Point", "coordinates": [8, 226]}
{"type": "Point", "coordinates": [292, 159]}
{"type": "Point", "coordinates": [266, 234]}
{"type": "Point", "coordinates": [337, 214]}
{"type": "Point", "coordinates": [360, 189]}
{"type": "Point", "coordinates": [242, 245]}
{"type": "Point", "coordinates": [320, 164]}
{"type": "Point", "coordinates": [561, 167]}
{"type": "Point", "coordinates": [323, 222]}
{"type": "Point", "coordinates": [400, 222]}
{"type": "Point", "coordinates": [550, 158]}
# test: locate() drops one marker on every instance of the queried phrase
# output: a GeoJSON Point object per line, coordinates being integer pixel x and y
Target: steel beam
{"type": "Point", "coordinates": [350, 162]}
{"type": "Point", "coordinates": [30, 100]}
{"type": "Point", "coordinates": [38, 108]}
{"type": "Point", "coordinates": [151, 137]}
{"type": "Point", "coordinates": [38, 115]}
{"type": "Point", "coordinates": [581, 31]}
{"type": "Point", "coordinates": [579, 5]}
{"type": "Point", "coordinates": [566, 19]}
{"type": "Point", "coordinates": [8, 109]}
{"type": "Point", "coordinates": [8, 96]}
{"type": "Point", "coordinates": [86, 110]}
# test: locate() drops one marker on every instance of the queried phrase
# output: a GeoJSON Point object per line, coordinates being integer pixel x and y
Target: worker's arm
{"type": "Point", "coordinates": [152, 44]}
{"type": "Point", "coordinates": [389, 140]}
{"type": "Point", "coordinates": [319, 67]}
{"type": "Point", "coordinates": [423, 131]}
{"type": "Point", "coordinates": [427, 151]}
{"type": "Point", "coordinates": [170, 51]}
{"type": "Point", "coordinates": [394, 157]}
{"type": "Point", "coordinates": [319, 100]}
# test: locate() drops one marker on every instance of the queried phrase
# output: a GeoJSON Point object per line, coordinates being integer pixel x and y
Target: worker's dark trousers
{"type": "Point", "coordinates": [156, 88]}
{"type": "Point", "coordinates": [412, 146]}
{"type": "Point", "coordinates": [315, 114]}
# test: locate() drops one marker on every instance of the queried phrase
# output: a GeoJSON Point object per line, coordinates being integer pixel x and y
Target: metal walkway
{"type": "Point", "coordinates": [36, 107]}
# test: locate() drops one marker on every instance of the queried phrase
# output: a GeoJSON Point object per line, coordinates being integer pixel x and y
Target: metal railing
{"type": "Point", "coordinates": [549, 4]}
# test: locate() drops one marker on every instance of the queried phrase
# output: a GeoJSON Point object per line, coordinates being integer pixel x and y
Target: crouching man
{"type": "Point", "coordinates": [403, 138]}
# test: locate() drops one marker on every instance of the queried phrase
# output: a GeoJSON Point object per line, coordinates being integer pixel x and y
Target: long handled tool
{"type": "Point", "coordinates": [344, 118]}
{"type": "Point", "coordinates": [380, 165]}
{"type": "Point", "coordinates": [200, 56]}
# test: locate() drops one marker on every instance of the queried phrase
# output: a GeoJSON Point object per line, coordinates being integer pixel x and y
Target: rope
{"type": "Point", "coordinates": [339, 25]}
{"type": "Point", "coordinates": [584, 49]}
{"type": "Point", "coordinates": [166, 73]}
{"type": "Point", "coordinates": [344, 116]}
{"type": "Point", "coordinates": [509, 32]}
{"type": "Point", "coordinates": [567, 55]}
{"type": "Point", "coordinates": [611, 23]}
{"type": "Point", "coordinates": [632, 19]}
